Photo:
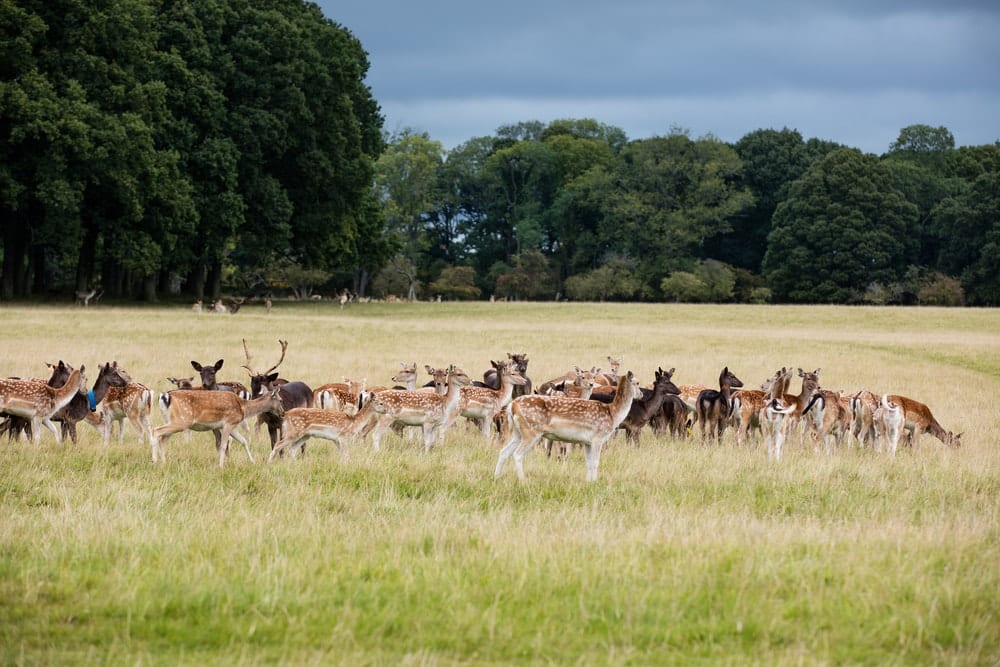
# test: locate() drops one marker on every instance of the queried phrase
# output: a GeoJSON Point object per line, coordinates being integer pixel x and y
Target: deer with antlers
{"type": "Point", "coordinates": [293, 394]}
{"type": "Point", "coordinates": [217, 411]}
{"type": "Point", "coordinates": [586, 422]}
{"type": "Point", "coordinates": [37, 402]}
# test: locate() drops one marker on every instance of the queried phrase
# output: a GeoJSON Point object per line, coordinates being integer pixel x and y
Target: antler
{"type": "Point", "coordinates": [284, 346]}
{"type": "Point", "coordinates": [247, 364]}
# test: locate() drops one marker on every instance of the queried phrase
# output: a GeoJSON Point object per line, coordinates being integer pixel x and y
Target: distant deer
{"type": "Point", "coordinates": [84, 298]}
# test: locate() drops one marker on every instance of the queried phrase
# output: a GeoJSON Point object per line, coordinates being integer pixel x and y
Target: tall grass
{"type": "Point", "coordinates": [679, 554]}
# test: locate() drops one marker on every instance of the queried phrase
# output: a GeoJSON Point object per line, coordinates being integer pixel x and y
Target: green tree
{"type": "Point", "coordinates": [615, 279]}
{"type": "Point", "coordinates": [841, 228]}
{"type": "Point", "coordinates": [456, 282]}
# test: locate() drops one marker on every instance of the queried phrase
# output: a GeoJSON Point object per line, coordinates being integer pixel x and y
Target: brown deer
{"type": "Point", "coordinates": [889, 419]}
{"type": "Point", "coordinates": [520, 360]}
{"type": "Point", "coordinates": [300, 424]}
{"type": "Point", "coordinates": [920, 420]}
{"type": "Point", "coordinates": [37, 402]}
{"type": "Point", "coordinates": [429, 410]}
{"type": "Point", "coordinates": [831, 418]}
{"type": "Point", "coordinates": [645, 407]}
{"type": "Point", "coordinates": [715, 407]}
{"type": "Point", "coordinates": [586, 422]}
{"type": "Point", "coordinates": [863, 406]}
{"type": "Point", "coordinates": [294, 394]}
{"type": "Point", "coordinates": [343, 396]}
{"type": "Point", "coordinates": [217, 411]}
{"type": "Point", "coordinates": [748, 403]}
{"type": "Point", "coordinates": [80, 407]}
{"type": "Point", "coordinates": [13, 426]}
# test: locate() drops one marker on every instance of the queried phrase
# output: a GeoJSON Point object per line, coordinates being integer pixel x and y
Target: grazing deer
{"type": "Point", "coordinates": [133, 401]}
{"type": "Point", "coordinates": [431, 411]}
{"type": "Point", "coordinates": [300, 424]}
{"type": "Point", "coordinates": [293, 394]}
{"type": "Point", "coordinates": [196, 307]}
{"type": "Point", "coordinates": [645, 407]}
{"type": "Point", "coordinates": [217, 307]}
{"type": "Point", "coordinates": [217, 411]}
{"type": "Point", "coordinates": [38, 402]}
{"type": "Point", "coordinates": [715, 407]}
{"type": "Point", "coordinates": [589, 423]}
{"type": "Point", "coordinates": [889, 419]}
{"type": "Point", "coordinates": [920, 420]}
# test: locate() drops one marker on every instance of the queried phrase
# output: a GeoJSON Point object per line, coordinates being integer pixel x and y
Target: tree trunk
{"type": "Point", "coordinates": [214, 279]}
{"type": "Point", "coordinates": [149, 288]}
{"type": "Point", "coordinates": [196, 280]}
{"type": "Point", "coordinates": [85, 259]}
{"type": "Point", "coordinates": [15, 234]}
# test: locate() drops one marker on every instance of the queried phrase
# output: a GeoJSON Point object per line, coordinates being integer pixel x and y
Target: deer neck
{"type": "Point", "coordinates": [622, 402]}
{"type": "Point", "coordinates": [64, 394]}
{"type": "Point", "coordinates": [258, 405]}
{"type": "Point", "coordinates": [506, 389]}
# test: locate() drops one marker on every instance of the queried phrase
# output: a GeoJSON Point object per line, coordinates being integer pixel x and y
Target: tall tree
{"type": "Point", "coordinates": [841, 228]}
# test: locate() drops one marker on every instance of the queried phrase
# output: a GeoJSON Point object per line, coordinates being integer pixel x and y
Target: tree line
{"type": "Point", "coordinates": [178, 148]}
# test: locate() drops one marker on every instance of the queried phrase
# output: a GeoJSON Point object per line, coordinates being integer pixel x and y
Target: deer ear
{"type": "Point", "coordinates": [196, 366]}
{"type": "Point", "coordinates": [218, 364]}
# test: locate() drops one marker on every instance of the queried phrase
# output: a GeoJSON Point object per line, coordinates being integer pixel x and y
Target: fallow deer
{"type": "Point", "coordinates": [889, 419]}
{"type": "Point", "coordinates": [300, 424]}
{"type": "Point", "coordinates": [84, 298]}
{"type": "Point", "coordinates": [863, 405]}
{"type": "Point", "coordinates": [520, 360]}
{"type": "Point", "coordinates": [79, 407]}
{"type": "Point", "coordinates": [589, 423]}
{"type": "Point", "coordinates": [645, 407]}
{"type": "Point", "coordinates": [831, 418]}
{"type": "Point", "coordinates": [428, 410]}
{"type": "Point", "coordinates": [920, 420]}
{"type": "Point", "coordinates": [217, 411]}
{"type": "Point", "coordinates": [209, 379]}
{"type": "Point", "coordinates": [343, 396]}
{"type": "Point", "coordinates": [294, 394]}
{"type": "Point", "coordinates": [715, 407]}
{"type": "Point", "coordinates": [748, 403]}
{"type": "Point", "coordinates": [482, 404]}
{"type": "Point", "coordinates": [37, 402]}
{"type": "Point", "coordinates": [134, 402]}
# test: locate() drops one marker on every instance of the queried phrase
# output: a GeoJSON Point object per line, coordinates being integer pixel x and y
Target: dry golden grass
{"type": "Point", "coordinates": [678, 554]}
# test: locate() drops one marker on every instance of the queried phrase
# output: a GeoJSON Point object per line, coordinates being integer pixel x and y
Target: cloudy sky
{"type": "Point", "coordinates": [852, 71]}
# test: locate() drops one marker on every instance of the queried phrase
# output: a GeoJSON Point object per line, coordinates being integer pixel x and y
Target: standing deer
{"type": "Point", "coordinates": [84, 298]}
{"type": "Point", "coordinates": [644, 408]}
{"type": "Point", "coordinates": [715, 407]}
{"type": "Point", "coordinates": [133, 401]}
{"type": "Point", "coordinates": [293, 394]}
{"type": "Point", "coordinates": [300, 424]}
{"type": "Point", "coordinates": [37, 402]}
{"type": "Point", "coordinates": [429, 410]}
{"type": "Point", "coordinates": [586, 422]}
{"type": "Point", "coordinates": [79, 407]}
{"type": "Point", "coordinates": [481, 404]}
{"type": "Point", "coordinates": [217, 411]}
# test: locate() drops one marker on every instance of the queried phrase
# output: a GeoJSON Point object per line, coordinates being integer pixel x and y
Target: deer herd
{"type": "Point", "coordinates": [580, 407]}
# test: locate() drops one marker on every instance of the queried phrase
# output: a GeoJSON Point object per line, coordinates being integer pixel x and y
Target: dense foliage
{"type": "Point", "coordinates": [174, 147]}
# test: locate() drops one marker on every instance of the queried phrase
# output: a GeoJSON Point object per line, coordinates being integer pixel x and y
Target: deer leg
{"type": "Point", "coordinates": [239, 438]}
{"type": "Point", "coordinates": [525, 446]}
{"type": "Point", "coordinates": [513, 440]}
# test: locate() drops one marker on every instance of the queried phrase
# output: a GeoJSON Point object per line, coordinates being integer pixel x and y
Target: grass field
{"type": "Point", "coordinates": [679, 554]}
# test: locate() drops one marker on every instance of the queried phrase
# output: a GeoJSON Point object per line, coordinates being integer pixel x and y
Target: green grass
{"type": "Point", "coordinates": [678, 554]}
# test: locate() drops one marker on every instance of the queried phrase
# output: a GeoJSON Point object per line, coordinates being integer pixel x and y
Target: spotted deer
{"type": "Point", "coordinates": [428, 410]}
{"type": "Point", "coordinates": [482, 404]}
{"type": "Point", "coordinates": [134, 402]}
{"type": "Point", "coordinates": [300, 424]}
{"type": "Point", "coordinates": [217, 411]}
{"type": "Point", "coordinates": [589, 423]}
{"type": "Point", "coordinates": [747, 403]}
{"type": "Point", "coordinates": [37, 402]}
{"type": "Point", "coordinates": [343, 396]}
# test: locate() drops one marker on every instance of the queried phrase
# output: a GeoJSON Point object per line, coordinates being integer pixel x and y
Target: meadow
{"type": "Point", "coordinates": [680, 553]}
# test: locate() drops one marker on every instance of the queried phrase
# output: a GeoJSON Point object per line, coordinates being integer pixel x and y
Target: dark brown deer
{"type": "Point", "coordinates": [209, 380]}
{"type": "Point", "coordinates": [520, 361]}
{"type": "Point", "coordinates": [644, 408]}
{"type": "Point", "coordinates": [292, 394]}
{"type": "Point", "coordinates": [714, 408]}
{"type": "Point", "coordinates": [108, 375]}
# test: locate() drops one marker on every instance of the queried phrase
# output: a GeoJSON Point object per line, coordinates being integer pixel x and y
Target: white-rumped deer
{"type": "Point", "coordinates": [37, 402]}
{"type": "Point", "coordinates": [586, 422]}
{"type": "Point", "coordinates": [343, 396]}
{"type": "Point", "coordinates": [134, 402]}
{"type": "Point", "coordinates": [889, 420]}
{"type": "Point", "coordinates": [920, 420]}
{"type": "Point", "coordinates": [300, 424]}
{"type": "Point", "coordinates": [218, 411]}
